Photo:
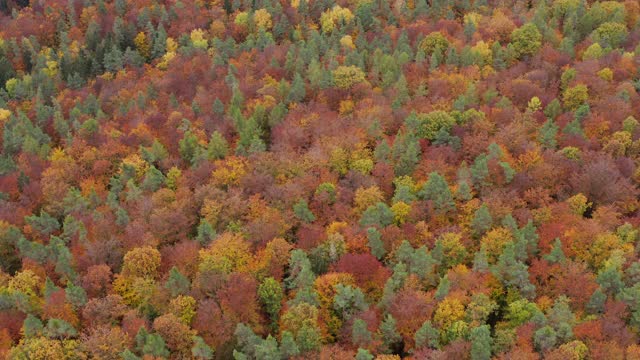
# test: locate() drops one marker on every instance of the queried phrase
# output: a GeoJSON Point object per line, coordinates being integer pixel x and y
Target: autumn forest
{"type": "Point", "coordinates": [320, 179]}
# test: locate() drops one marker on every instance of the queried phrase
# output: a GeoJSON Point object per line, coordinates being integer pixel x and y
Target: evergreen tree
{"type": "Point", "coordinates": [375, 243]}
{"type": "Point", "coordinates": [482, 221]}
{"type": "Point", "coordinates": [547, 135]}
{"type": "Point", "coordinates": [437, 190]}
{"type": "Point", "coordinates": [288, 346]}
{"type": "Point", "coordinates": [556, 255]}
{"type": "Point", "coordinates": [464, 191]}
{"type": "Point", "coordinates": [363, 354]}
{"type": "Point", "coordinates": [177, 283]}
{"type": "Point", "coordinates": [405, 153]}
{"type": "Point", "coordinates": [481, 343]}
{"type": "Point", "coordinates": [427, 335]}
{"type": "Point", "coordinates": [32, 326]}
{"type": "Point", "coordinates": [200, 349]}
{"type": "Point", "coordinates": [389, 333]}
{"type": "Point", "coordinates": [267, 349]}
{"type": "Point", "coordinates": [297, 91]}
{"type": "Point", "coordinates": [302, 212]}
{"type": "Point", "coordinates": [360, 334]}
{"type": "Point", "coordinates": [218, 147]}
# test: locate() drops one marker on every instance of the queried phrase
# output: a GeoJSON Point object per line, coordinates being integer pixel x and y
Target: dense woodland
{"type": "Point", "coordinates": [319, 179]}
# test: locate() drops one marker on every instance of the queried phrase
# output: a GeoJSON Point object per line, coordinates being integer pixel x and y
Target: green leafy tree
{"type": "Point", "coordinates": [268, 349]}
{"type": "Point", "coordinates": [32, 326]}
{"type": "Point", "coordinates": [611, 34]}
{"type": "Point", "coordinates": [271, 294]}
{"type": "Point", "coordinates": [526, 40]}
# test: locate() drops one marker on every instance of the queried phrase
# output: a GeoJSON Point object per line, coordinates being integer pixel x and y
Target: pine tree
{"type": "Point", "coordinates": [218, 147]}
{"type": "Point", "coordinates": [464, 191]}
{"type": "Point", "coordinates": [481, 343]}
{"type": "Point", "coordinates": [427, 335]}
{"type": "Point", "coordinates": [200, 349]}
{"type": "Point", "coordinates": [556, 255]}
{"type": "Point", "coordinates": [482, 221]}
{"type": "Point", "coordinates": [363, 354]}
{"type": "Point", "coordinates": [389, 333]}
{"type": "Point", "coordinates": [32, 326]}
{"type": "Point", "coordinates": [297, 91]}
{"type": "Point", "coordinates": [406, 153]}
{"type": "Point", "coordinates": [360, 334]}
{"type": "Point", "coordinates": [302, 212]}
{"type": "Point", "coordinates": [547, 135]}
{"type": "Point", "coordinates": [177, 283]}
{"type": "Point", "coordinates": [268, 349]}
{"type": "Point", "coordinates": [437, 190]}
{"type": "Point", "coordinates": [288, 346]}
{"type": "Point", "coordinates": [375, 243]}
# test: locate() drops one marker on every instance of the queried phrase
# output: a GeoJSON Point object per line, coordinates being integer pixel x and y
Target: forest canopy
{"type": "Point", "coordinates": [319, 179]}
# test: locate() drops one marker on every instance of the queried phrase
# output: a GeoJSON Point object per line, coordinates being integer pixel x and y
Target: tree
{"type": "Point", "coordinates": [271, 295]}
{"type": "Point", "coordinates": [302, 212]}
{"type": "Point", "coordinates": [433, 42]}
{"type": "Point", "coordinates": [32, 327]}
{"type": "Point", "coordinates": [575, 96]}
{"type": "Point", "coordinates": [389, 333]}
{"type": "Point", "coordinates": [405, 153]}
{"type": "Point", "coordinates": [190, 148]}
{"type": "Point", "coordinates": [346, 76]}
{"type": "Point", "coordinates": [437, 190]}
{"type": "Point", "coordinates": [429, 125]}
{"type": "Point", "coordinates": [375, 243]}
{"type": "Point", "coordinates": [378, 214]}
{"type": "Point", "coordinates": [363, 354]}
{"type": "Point", "coordinates": [297, 91]}
{"type": "Point", "coordinates": [218, 147]}
{"type": "Point", "coordinates": [547, 135]}
{"type": "Point", "coordinates": [544, 338]}
{"type": "Point", "coordinates": [556, 255]}
{"type": "Point", "coordinates": [288, 346]}
{"type": "Point", "coordinates": [526, 40]}
{"type": "Point", "coordinates": [482, 221]}
{"type": "Point", "coordinates": [348, 301]}
{"type": "Point", "coordinates": [610, 34]}
{"type": "Point", "coordinates": [427, 335]}
{"type": "Point", "coordinates": [481, 343]}
{"type": "Point", "coordinates": [200, 349]}
{"type": "Point", "coordinates": [268, 349]}
{"type": "Point", "coordinates": [141, 262]}
{"type": "Point", "coordinates": [360, 334]}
